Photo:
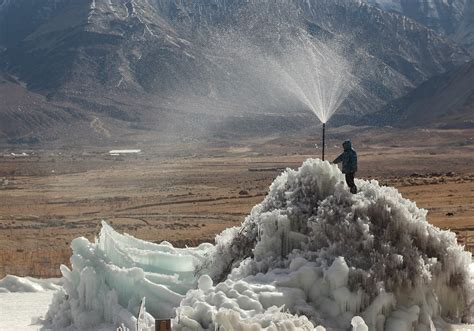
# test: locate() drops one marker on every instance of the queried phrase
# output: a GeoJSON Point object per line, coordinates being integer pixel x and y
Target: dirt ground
{"type": "Point", "coordinates": [48, 198]}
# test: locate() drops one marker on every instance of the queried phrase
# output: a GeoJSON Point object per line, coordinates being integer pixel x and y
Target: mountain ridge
{"type": "Point", "coordinates": [446, 100]}
{"type": "Point", "coordinates": [453, 18]}
{"type": "Point", "coordinates": [133, 61]}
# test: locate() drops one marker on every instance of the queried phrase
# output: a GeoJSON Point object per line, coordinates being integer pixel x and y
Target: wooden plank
{"type": "Point", "coordinates": [163, 325]}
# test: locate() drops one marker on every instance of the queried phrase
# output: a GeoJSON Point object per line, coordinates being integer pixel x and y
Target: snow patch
{"type": "Point", "coordinates": [12, 283]}
{"type": "Point", "coordinates": [124, 151]}
{"type": "Point", "coordinates": [23, 154]}
{"type": "Point", "coordinates": [23, 311]}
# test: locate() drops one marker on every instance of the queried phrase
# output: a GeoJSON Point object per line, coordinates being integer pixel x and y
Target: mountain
{"type": "Point", "coordinates": [454, 18]}
{"type": "Point", "coordinates": [179, 66]}
{"type": "Point", "coordinates": [22, 110]}
{"type": "Point", "coordinates": [446, 100]}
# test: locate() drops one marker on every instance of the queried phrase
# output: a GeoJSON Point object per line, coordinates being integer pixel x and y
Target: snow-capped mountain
{"type": "Point", "coordinates": [144, 61]}
{"type": "Point", "coordinates": [454, 18]}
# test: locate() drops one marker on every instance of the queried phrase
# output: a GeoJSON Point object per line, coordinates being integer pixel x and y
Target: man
{"type": "Point", "coordinates": [349, 164]}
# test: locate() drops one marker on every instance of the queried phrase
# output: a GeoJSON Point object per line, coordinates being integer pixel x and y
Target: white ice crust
{"type": "Point", "coordinates": [15, 284]}
{"type": "Point", "coordinates": [311, 256]}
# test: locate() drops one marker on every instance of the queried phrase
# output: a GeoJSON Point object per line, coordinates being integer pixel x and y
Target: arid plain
{"type": "Point", "coordinates": [187, 193]}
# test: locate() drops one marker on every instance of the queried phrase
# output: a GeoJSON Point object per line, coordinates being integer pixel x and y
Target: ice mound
{"type": "Point", "coordinates": [109, 278]}
{"type": "Point", "coordinates": [311, 254]}
{"type": "Point", "coordinates": [10, 284]}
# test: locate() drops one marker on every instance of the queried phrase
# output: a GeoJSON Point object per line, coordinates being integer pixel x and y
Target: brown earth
{"type": "Point", "coordinates": [48, 198]}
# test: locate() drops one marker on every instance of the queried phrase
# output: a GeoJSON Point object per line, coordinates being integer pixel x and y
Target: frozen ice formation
{"type": "Point", "coordinates": [13, 284]}
{"type": "Point", "coordinates": [110, 277]}
{"type": "Point", "coordinates": [311, 256]}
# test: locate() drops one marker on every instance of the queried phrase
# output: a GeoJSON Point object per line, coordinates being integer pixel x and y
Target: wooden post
{"type": "Point", "coordinates": [163, 325]}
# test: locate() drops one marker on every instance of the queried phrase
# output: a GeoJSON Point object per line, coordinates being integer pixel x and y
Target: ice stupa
{"type": "Point", "coordinates": [311, 256]}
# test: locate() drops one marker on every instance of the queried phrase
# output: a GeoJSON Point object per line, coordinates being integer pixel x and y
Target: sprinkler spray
{"type": "Point", "coordinates": [324, 138]}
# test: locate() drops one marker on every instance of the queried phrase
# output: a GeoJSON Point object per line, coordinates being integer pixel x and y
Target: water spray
{"type": "Point", "coordinates": [324, 139]}
{"type": "Point", "coordinates": [318, 75]}
{"type": "Point", "coordinates": [314, 72]}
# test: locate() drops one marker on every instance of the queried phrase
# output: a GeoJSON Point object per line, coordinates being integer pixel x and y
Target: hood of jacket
{"type": "Point", "coordinates": [347, 145]}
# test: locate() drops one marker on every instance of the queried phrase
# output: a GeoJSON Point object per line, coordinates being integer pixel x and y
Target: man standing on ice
{"type": "Point", "coordinates": [349, 164]}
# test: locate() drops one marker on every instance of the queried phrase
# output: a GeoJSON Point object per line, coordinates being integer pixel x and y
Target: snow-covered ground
{"type": "Point", "coordinates": [22, 311]}
{"type": "Point", "coordinates": [24, 301]}
{"type": "Point", "coordinates": [311, 256]}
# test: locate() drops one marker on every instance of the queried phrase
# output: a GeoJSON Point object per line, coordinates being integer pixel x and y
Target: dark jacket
{"type": "Point", "coordinates": [348, 158]}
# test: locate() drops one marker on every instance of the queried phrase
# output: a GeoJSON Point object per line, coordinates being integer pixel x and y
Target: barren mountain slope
{"type": "Point", "coordinates": [145, 63]}
{"type": "Point", "coordinates": [446, 100]}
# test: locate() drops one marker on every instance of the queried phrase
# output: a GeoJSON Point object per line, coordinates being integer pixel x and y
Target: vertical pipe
{"type": "Point", "coordinates": [324, 138]}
